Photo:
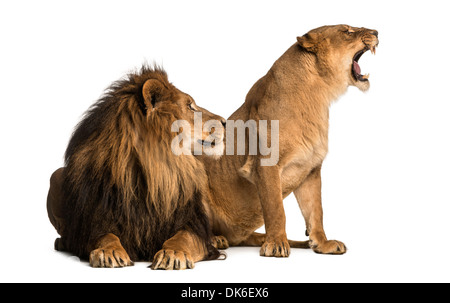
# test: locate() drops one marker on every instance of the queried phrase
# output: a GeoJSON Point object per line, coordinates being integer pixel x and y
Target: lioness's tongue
{"type": "Point", "coordinates": [356, 68]}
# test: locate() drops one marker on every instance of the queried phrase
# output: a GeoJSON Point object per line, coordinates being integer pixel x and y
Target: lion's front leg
{"type": "Point", "coordinates": [109, 252]}
{"type": "Point", "coordinates": [180, 252]}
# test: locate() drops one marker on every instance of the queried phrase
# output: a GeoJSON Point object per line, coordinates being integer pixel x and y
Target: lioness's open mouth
{"type": "Point", "coordinates": [356, 69]}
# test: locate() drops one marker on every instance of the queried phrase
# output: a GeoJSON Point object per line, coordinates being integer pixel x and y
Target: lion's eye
{"type": "Point", "coordinates": [349, 32]}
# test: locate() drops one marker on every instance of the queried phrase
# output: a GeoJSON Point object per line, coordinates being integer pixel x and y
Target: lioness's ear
{"type": "Point", "coordinates": [309, 41]}
{"type": "Point", "coordinates": [152, 91]}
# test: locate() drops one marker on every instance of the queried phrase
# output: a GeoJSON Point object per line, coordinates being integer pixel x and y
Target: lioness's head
{"type": "Point", "coordinates": [339, 48]}
{"type": "Point", "coordinates": [203, 129]}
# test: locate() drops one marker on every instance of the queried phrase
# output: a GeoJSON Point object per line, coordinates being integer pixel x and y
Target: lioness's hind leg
{"type": "Point", "coordinates": [109, 253]}
{"type": "Point", "coordinates": [220, 242]}
{"type": "Point", "coordinates": [299, 244]}
{"type": "Point", "coordinates": [257, 239]}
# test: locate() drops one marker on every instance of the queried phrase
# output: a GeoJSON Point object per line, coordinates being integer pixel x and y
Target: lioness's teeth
{"type": "Point", "coordinates": [366, 76]}
{"type": "Point", "coordinates": [373, 50]}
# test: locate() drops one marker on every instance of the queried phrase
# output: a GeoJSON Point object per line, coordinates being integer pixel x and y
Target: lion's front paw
{"type": "Point", "coordinates": [220, 242]}
{"type": "Point", "coordinates": [331, 247]}
{"type": "Point", "coordinates": [115, 257]}
{"type": "Point", "coordinates": [279, 248]}
{"type": "Point", "coordinates": [172, 260]}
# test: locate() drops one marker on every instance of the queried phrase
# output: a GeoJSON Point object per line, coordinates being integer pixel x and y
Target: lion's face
{"type": "Point", "coordinates": [340, 47]}
{"type": "Point", "coordinates": [207, 129]}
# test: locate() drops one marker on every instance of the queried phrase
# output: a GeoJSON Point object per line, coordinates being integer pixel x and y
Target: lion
{"type": "Point", "coordinates": [123, 195]}
{"type": "Point", "coordinates": [297, 91]}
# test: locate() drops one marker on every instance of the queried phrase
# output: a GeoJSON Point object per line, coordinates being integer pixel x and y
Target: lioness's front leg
{"type": "Point", "coordinates": [309, 199]}
{"type": "Point", "coordinates": [268, 183]}
{"type": "Point", "coordinates": [180, 252]}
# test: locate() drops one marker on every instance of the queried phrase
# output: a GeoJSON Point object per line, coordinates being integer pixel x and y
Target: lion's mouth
{"type": "Point", "coordinates": [356, 69]}
{"type": "Point", "coordinates": [207, 143]}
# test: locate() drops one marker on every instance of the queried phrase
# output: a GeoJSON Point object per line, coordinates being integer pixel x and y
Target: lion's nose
{"type": "Point", "coordinates": [375, 33]}
{"type": "Point", "coordinates": [224, 122]}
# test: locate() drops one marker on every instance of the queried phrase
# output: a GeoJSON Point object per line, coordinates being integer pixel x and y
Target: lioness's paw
{"type": "Point", "coordinates": [110, 258]}
{"type": "Point", "coordinates": [220, 242]}
{"type": "Point", "coordinates": [275, 249]}
{"type": "Point", "coordinates": [331, 247]}
{"type": "Point", "coordinates": [172, 260]}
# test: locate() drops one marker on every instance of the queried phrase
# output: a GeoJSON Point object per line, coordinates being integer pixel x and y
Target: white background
{"type": "Point", "coordinates": [385, 180]}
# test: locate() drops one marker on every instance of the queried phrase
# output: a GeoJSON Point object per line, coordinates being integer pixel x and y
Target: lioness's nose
{"type": "Point", "coordinates": [375, 33]}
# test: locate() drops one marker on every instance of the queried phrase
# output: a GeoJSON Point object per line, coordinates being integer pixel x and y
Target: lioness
{"type": "Point", "coordinates": [297, 91]}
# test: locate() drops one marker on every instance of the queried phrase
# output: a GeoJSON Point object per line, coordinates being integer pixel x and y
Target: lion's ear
{"type": "Point", "coordinates": [309, 41]}
{"type": "Point", "coordinates": [152, 91]}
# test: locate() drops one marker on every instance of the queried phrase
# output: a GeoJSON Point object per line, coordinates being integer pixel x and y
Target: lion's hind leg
{"type": "Point", "coordinates": [55, 207]}
{"type": "Point", "coordinates": [109, 252]}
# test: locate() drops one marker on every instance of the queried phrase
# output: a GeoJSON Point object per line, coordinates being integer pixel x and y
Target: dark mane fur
{"type": "Point", "coordinates": [122, 178]}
